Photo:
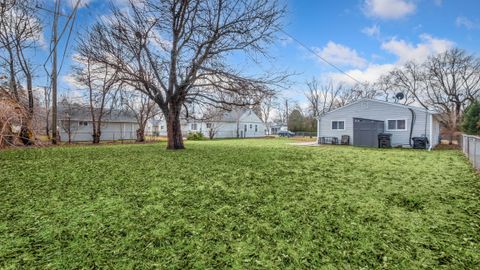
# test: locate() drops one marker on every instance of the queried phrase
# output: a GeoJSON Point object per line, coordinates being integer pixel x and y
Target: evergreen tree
{"type": "Point", "coordinates": [471, 119]}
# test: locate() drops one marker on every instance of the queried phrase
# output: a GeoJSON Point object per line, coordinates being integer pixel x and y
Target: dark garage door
{"type": "Point", "coordinates": [365, 132]}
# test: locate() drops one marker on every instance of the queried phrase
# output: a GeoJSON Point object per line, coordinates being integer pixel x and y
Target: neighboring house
{"type": "Point", "coordinates": [153, 127]}
{"type": "Point", "coordinates": [241, 123]}
{"type": "Point", "coordinates": [363, 120]}
{"type": "Point", "coordinates": [276, 127]}
{"type": "Point", "coordinates": [77, 120]}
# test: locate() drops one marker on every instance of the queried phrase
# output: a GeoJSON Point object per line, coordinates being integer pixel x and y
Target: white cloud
{"type": "Point", "coordinates": [370, 74]}
{"type": "Point", "coordinates": [419, 52]}
{"type": "Point", "coordinates": [388, 9]}
{"type": "Point", "coordinates": [467, 23]}
{"type": "Point", "coordinates": [438, 2]}
{"type": "Point", "coordinates": [341, 55]}
{"type": "Point", "coordinates": [403, 50]}
{"type": "Point", "coordinates": [373, 31]}
{"type": "Point", "coordinates": [83, 3]}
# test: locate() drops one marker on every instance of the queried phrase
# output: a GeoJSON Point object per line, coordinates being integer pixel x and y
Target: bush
{"type": "Point", "coordinates": [471, 119]}
{"type": "Point", "coordinates": [195, 136]}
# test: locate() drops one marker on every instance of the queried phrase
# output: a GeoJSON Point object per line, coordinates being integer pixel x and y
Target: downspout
{"type": "Point", "coordinates": [411, 126]}
{"type": "Point", "coordinates": [318, 130]}
{"type": "Point", "coordinates": [431, 133]}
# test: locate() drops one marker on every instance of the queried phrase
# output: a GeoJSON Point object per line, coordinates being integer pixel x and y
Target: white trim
{"type": "Point", "coordinates": [430, 140]}
{"type": "Point", "coordinates": [406, 124]}
{"type": "Point", "coordinates": [380, 101]}
{"type": "Point", "coordinates": [338, 120]}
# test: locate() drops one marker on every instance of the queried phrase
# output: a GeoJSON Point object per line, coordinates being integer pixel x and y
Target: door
{"type": "Point", "coordinates": [365, 132]}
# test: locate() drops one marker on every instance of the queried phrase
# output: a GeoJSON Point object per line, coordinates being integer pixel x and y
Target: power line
{"type": "Point", "coordinates": [64, 29]}
{"type": "Point", "coordinates": [319, 56]}
{"type": "Point", "coordinates": [68, 41]}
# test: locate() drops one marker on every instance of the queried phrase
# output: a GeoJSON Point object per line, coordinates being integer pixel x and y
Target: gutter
{"type": "Point", "coordinates": [431, 132]}
{"type": "Point", "coordinates": [318, 130]}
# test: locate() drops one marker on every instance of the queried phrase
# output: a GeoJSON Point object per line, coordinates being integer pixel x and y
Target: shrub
{"type": "Point", "coordinates": [195, 136]}
{"type": "Point", "coordinates": [471, 119]}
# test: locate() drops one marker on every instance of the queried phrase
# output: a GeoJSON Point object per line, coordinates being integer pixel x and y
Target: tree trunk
{"type": "Point", "coordinates": [96, 137]}
{"type": "Point", "coordinates": [13, 82]}
{"type": "Point", "coordinates": [27, 134]}
{"type": "Point", "coordinates": [141, 134]}
{"type": "Point", "coordinates": [30, 94]}
{"type": "Point", "coordinates": [174, 131]}
{"type": "Point", "coordinates": [97, 133]}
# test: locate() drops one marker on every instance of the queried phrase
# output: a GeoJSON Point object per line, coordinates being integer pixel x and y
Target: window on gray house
{"type": "Point", "coordinates": [338, 124]}
{"type": "Point", "coordinates": [397, 124]}
{"type": "Point", "coordinates": [209, 125]}
{"type": "Point", "coordinates": [256, 128]}
{"type": "Point", "coordinates": [245, 128]}
{"type": "Point", "coordinates": [193, 126]}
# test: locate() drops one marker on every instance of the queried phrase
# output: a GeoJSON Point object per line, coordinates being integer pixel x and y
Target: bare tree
{"type": "Point", "coordinates": [264, 109]}
{"type": "Point", "coordinates": [101, 83]}
{"type": "Point", "coordinates": [19, 31]}
{"type": "Point", "coordinates": [408, 79]}
{"type": "Point", "coordinates": [141, 107]}
{"type": "Point", "coordinates": [213, 122]}
{"type": "Point", "coordinates": [349, 94]}
{"type": "Point", "coordinates": [322, 98]}
{"type": "Point", "coordinates": [68, 109]}
{"type": "Point", "coordinates": [452, 82]}
{"type": "Point", "coordinates": [176, 51]}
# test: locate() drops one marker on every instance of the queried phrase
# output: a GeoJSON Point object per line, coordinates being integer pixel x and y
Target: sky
{"type": "Point", "coordinates": [364, 38]}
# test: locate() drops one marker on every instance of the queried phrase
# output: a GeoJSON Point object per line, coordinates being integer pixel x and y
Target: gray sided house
{"type": "Point", "coordinates": [363, 120]}
{"type": "Point", "coordinates": [76, 120]}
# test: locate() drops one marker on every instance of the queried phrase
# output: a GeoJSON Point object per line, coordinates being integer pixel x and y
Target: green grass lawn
{"type": "Point", "coordinates": [252, 204]}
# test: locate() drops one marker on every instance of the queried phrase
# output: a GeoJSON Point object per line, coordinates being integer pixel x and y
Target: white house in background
{"type": "Point", "coordinates": [153, 127]}
{"type": "Point", "coordinates": [77, 120]}
{"type": "Point", "coordinates": [276, 127]}
{"type": "Point", "coordinates": [363, 120]}
{"type": "Point", "coordinates": [241, 123]}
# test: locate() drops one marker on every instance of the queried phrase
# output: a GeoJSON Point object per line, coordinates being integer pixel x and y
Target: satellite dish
{"type": "Point", "coordinates": [399, 96]}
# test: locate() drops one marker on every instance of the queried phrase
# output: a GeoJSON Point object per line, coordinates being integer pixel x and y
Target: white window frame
{"type": "Point", "coordinates": [193, 126]}
{"type": "Point", "coordinates": [331, 124]}
{"type": "Point", "coordinates": [406, 124]}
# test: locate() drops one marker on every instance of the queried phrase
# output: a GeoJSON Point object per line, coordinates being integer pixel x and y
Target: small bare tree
{"type": "Point", "coordinates": [264, 109]}
{"type": "Point", "coordinates": [408, 79]}
{"type": "Point", "coordinates": [68, 110]}
{"type": "Point", "coordinates": [176, 50]}
{"type": "Point", "coordinates": [101, 82]}
{"type": "Point", "coordinates": [141, 107]}
{"type": "Point", "coordinates": [322, 98]}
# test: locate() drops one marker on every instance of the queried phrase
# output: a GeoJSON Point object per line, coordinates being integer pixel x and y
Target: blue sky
{"type": "Point", "coordinates": [363, 37]}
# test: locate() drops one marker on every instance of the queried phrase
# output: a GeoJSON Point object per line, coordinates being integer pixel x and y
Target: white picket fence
{"type": "Point", "coordinates": [471, 148]}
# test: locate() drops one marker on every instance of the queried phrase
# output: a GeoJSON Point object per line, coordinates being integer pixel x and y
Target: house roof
{"type": "Point", "coordinates": [82, 113]}
{"type": "Point", "coordinates": [383, 102]}
{"type": "Point", "coordinates": [234, 115]}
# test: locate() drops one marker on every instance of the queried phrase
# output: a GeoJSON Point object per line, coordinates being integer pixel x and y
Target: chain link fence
{"type": "Point", "coordinates": [471, 147]}
{"type": "Point", "coordinates": [108, 136]}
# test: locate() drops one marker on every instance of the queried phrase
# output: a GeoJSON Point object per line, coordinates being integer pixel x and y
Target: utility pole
{"type": "Point", "coordinates": [287, 113]}
{"type": "Point", "coordinates": [56, 14]}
